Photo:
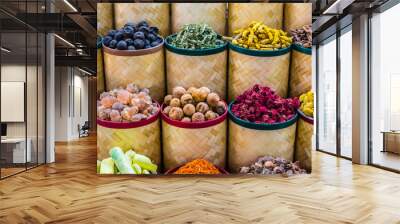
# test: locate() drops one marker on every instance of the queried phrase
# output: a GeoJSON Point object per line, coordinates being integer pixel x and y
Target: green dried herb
{"type": "Point", "coordinates": [196, 36]}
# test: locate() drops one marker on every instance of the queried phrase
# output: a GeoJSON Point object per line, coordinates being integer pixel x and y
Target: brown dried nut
{"type": "Point", "coordinates": [176, 113]}
{"type": "Point", "coordinates": [191, 89]}
{"type": "Point", "coordinates": [200, 95]}
{"type": "Point", "coordinates": [202, 107]}
{"type": "Point", "coordinates": [167, 109]}
{"type": "Point", "coordinates": [220, 108]}
{"type": "Point", "coordinates": [167, 99]}
{"type": "Point", "coordinates": [186, 119]}
{"type": "Point", "coordinates": [189, 109]}
{"type": "Point", "coordinates": [175, 102]}
{"type": "Point", "coordinates": [186, 98]}
{"type": "Point", "coordinates": [178, 91]}
{"type": "Point", "coordinates": [198, 117]}
{"type": "Point", "coordinates": [213, 99]}
{"type": "Point", "coordinates": [210, 115]}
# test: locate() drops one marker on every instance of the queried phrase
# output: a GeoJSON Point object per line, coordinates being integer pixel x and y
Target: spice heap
{"type": "Point", "coordinates": [307, 103]}
{"type": "Point", "coordinates": [196, 36]}
{"type": "Point", "coordinates": [193, 104]}
{"type": "Point", "coordinates": [126, 105]}
{"type": "Point", "coordinates": [258, 36]}
{"type": "Point", "coordinates": [303, 36]}
{"type": "Point", "coordinates": [262, 105]}
{"type": "Point", "coordinates": [270, 165]}
{"type": "Point", "coordinates": [198, 166]}
{"type": "Point", "coordinates": [133, 37]}
{"type": "Point", "coordinates": [129, 162]}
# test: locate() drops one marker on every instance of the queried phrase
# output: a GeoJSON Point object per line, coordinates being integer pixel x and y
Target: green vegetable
{"type": "Point", "coordinates": [137, 168]}
{"type": "Point", "coordinates": [196, 36]}
{"type": "Point", "coordinates": [121, 161]}
{"type": "Point", "coordinates": [98, 166]}
{"type": "Point", "coordinates": [107, 166]}
{"type": "Point", "coordinates": [130, 154]}
{"type": "Point", "coordinates": [146, 172]}
{"type": "Point", "coordinates": [144, 162]}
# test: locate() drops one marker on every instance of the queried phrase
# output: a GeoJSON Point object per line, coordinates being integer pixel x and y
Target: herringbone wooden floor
{"type": "Point", "coordinates": [70, 192]}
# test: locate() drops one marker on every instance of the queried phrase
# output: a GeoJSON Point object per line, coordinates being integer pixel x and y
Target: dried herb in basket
{"type": "Point", "coordinates": [196, 36]}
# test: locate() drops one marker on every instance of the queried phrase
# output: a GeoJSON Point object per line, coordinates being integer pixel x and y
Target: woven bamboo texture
{"type": "Point", "coordinates": [304, 144]}
{"type": "Point", "coordinates": [197, 71]}
{"type": "Point", "coordinates": [144, 140]}
{"type": "Point", "coordinates": [100, 72]}
{"type": "Point", "coordinates": [156, 14]}
{"type": "Point", "coordinates": [105, 18]}
{"type": "Point", "coordinates": [181, 145]}
{"type": "Point", "coordinates": [146, 71]}
{"type": "Point", "coordinates": [212, 14]}
{"type": "Point", "coordinates": [245, 71]}
{"type": "Point", "coordinates": [242, 14]}
{"type": "Point", "coordinates": [297, 15]}
{"type": "Point", "coordinates": [246, 145]}
{"type": "Point", "coordinates": [300, 73]}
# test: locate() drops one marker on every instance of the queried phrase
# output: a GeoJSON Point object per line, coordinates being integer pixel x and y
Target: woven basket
{"type": "Point", "coordinates": [142, 136]}
{"type": "Point", "coordinates": [305, 130]}
{"type": "Point", "coordinates": [100, 71]}
{"type": "Point", "coordinates": [184, 142]}
{"type": "Point", "coordinates": [248, 67]}
{"type": "Point", "coordinates": [196, 68]}
{"type": "Point", "coordinates": [143, 67]}
{"type": "Point", "coordinates": [212, 14]}
{"type": "Point", "coordinates": [249, 141]}
{"type": "Point", "coordinates": [297, 15]}
{"type": "Point", "coordinates": [242, 14]}
{"type": "Point", "coordinates": [300, 71]}
{"type": "Point", "coordinates": [105, 18]}
{"type": "Point", "coordinates": [156, 14]}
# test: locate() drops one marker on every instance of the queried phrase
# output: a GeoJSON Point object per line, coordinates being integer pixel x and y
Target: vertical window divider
{"type": "Point", "coordinates": [26, 86]}
{"type": "Point", "coordinates": [338, 100]}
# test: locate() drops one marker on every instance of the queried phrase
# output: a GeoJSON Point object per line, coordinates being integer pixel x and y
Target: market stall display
{"type": "Point", "coordinates": [128, 118]}
{"type": "Point", "coordinates": [100, 69]}
{"type": "Point", "coordinates": [197, 166]}
{"type": "Point", "coordinates": [268, 165]}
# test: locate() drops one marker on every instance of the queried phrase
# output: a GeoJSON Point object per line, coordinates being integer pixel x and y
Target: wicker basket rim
{"type": "Point", "coordinates": [301, 49]}
{"type": "Point", "coordinates": [193, 125]}
{"type": "Point", "coordinates": [260, 126]}
{"type": "Point", "coordinates": [306, 118]}
{"type": "Point", "coordinates": [259, 53]}
{"type": "Point", "coordinates": [140, 52]}
{"type": "Point", "coordinates": [134, 124]}
{"type": "Point", "coordinates": [194, 52]}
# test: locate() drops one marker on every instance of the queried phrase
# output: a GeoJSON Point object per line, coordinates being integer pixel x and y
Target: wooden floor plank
{"type": "Point", "coordinates": [69, 191]}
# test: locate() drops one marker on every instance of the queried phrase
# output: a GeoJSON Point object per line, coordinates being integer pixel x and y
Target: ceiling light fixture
{"type": "Point", "coordinates": [84, 71]}
{"type": "Point", "coordinates": [70, 5]}
{"type": "Point", "coordinates": [5, 50]}
{"type": "Point", "coordinates": [65, 41]}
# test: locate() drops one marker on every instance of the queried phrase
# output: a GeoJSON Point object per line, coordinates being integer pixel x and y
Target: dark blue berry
{"type": "Point", "coordinates": [122, 45]}
{"type": "Point", "coordinates": [119, 36]}
{"type": "Point", "coordinates": [146, 42]}
{"type": "Point", "coordinates": [138, 43]}
{"type": "Point", "coordinates": [154, 43]}
{"type": "Point", "coordinates": [154, 29]}
{"type": "Point", "coordinates": [128, 32]}
{"type": "Point", "coordinates": [138, 35]}
{"type": "Point", "coordinates": [131, 48]}
{"type": "Point", "coordinates": [113, 44]}
{"type": "Point", "coordinates": [111, 33]}
{"type": "Point", "coordinates": [143, 23]}
{"type": "Point", "coordinates": [107, 40]}
{"type": "Point", "coordinates": [151, 37]}
{"type": "Point", "coordinates": [129, 41]}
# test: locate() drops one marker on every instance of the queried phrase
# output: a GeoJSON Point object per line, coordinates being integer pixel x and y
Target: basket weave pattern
{"type": "Point", "coordinates": [156, 14]}
{"type": "Point", "coordinates": [146, 71]}
{"type": "Point", "coordinates": [104, 18]}
{"type": "Point", "coordinates": [242, 14]}
{"type": "Point", "coordinates": [304, 144]}
{"type": "Point", "coordinates": [144, 140]}
{"type": "Point", "coordinates": [297, 15]}
{"type": "Point", "coordinates": [300, 73]}
{"type": "Point", "coordinates": [212, 14]}
{"type": "Point", "coordinates": [181, 145]}
{"type": "Point", "coordinates": [100, 72]}
{"type": "Point", "coordinates": [197, 71]}
{"type": "Point", "coordinates": [246, 145]}
{"type": "Point", "coordinates": [245, 71]}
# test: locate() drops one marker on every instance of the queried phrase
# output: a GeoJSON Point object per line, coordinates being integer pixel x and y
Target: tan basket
{"type": "Point", "coordinates": [246, 143]}
{"type": "Point", "coordinates": [305, 130]}
{"type": "Point", "coordinates": [186, 69]}
{"type": "Point", "coordinates": [143, 139]}
{"type": "Point", "coordinates": [242, 14]}
{"type": "Point", "coordinates": [297, 15]}
{"type": "Point", "coordinates": [105, 18]}
{"type": "Point", "coordinates": [212, 14]}
{"type": "Point", "coordinates": [184, 142]}
{"type": "Point", "coordinates": [144, 67]}
{"type": "Point", "coordinates": [100, 71]}
{"type": "Point", "coordinates": [300, 71]}
{"type": "Point", "coordinates": [156, 14]}
{"type": "Point", "coordinates": [247, 69]}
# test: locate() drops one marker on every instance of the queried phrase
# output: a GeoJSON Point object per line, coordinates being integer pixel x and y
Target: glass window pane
{"type": "Point", "coordinates": [327, 96]}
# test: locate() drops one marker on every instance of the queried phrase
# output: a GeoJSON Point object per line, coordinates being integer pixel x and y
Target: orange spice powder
{"type": "Point", "coordinates": [198, 166]}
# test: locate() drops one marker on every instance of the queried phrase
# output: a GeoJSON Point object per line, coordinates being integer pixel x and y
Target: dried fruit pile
{"type": "Point", "coordinates": [193, 104]}
{"type": "Point", "coordinates": [303, 36]}
{"type": "Point", "coordinates": [126, 105]}
{"type": "Point", "coordinates": [133, 37]}
{"type": "Point", "coordinates": [198, 166]}
{"type": "Point", "coordinates": [307, 103]}
{"type": "Point", "coordinates": [196, 36]}
{"type": "Point", "coordinates": [262, 105]}
{"type": "Point", "coordinates": [269, 165]}
{"type": "Point", "coordinates": [258, 36]}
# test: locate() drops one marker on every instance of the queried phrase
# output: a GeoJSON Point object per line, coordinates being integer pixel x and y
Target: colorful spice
{"type": "Point", "coordinates": [303, 36]}
{"type": "Point", "coordinates": [196, 36]}
{"type": "Point", "coordinates": [198, 166]}
{"type": "Point", "coordinates": [307, 103]}
{"type": "Point", "coordinates": [268, 165]}
{"type": "Point", "coordinates": [258, 36]}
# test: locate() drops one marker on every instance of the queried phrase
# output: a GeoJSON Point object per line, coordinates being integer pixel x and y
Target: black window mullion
{"type": "Point", "coordinates": [338, 73]}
